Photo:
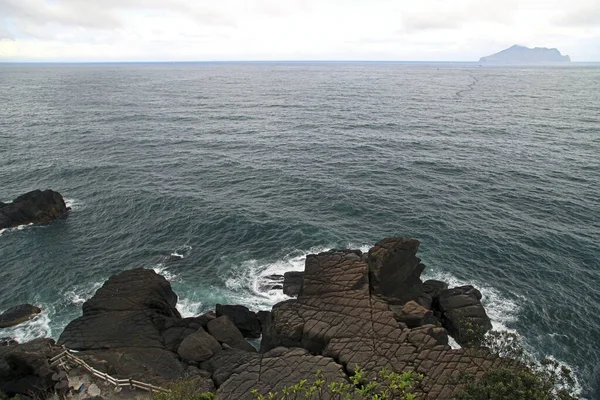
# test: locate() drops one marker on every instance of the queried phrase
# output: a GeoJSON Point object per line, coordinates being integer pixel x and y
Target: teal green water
{"type": "Point", "coordinates": [243, 169]}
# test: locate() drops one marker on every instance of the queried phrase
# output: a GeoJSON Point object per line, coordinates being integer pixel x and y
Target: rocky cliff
{"type": "Point", "coordinates": [352, 309]}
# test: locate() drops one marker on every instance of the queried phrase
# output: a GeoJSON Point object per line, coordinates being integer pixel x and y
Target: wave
{"type": "Point", "coordinates": [189, 308]}
{"type": "Point", "coordinates": [162, 267]}
{"type": "Point", "coordinates": [74, 204]}
{"type": "Point", "coordinates": [79, 294]}
{"type": "Point", "coordinates": [17, 228]}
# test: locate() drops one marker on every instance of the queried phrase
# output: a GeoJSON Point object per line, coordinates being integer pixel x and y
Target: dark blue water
{"type": "Point", "coordinates": [245, 168]}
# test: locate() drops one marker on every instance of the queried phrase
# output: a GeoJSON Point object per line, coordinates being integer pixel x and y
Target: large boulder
{"type": "Point", "coordinates": [463, 315]}
{"type": "Point", "coordinates": [18, 314]}
{"type": "Point", "coordinates": [33, 207]}
{"type": "Point", "coordinates": [292, 283]}
{"type": "Point", "coordinates": [412, 314]}
{"type": "Point", "coordinates": [226, 332]}
{"type": "Point", "coordinates": [198, 347]}
{"type": "Point", "coordinates": [25, 368]}
{"type": "Point", "coordinates": [123, 324]}
{"type": "Point", "coordinates": [395, 270]}
{"type": "Point", "coordinates": [247, 321]}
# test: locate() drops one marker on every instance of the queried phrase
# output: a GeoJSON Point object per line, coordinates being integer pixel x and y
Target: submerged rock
{"type": "Point", "coordinates": [33, 208]}
{"type": "Point", "coordinates": [18, 314]}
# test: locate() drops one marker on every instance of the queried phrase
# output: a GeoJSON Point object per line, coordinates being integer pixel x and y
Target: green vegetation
{"type": "Point", "coordinates": [528, 380]}
{"type": "Point", "coordinates": [385, 386]}
{"type": "Point", "coordinates": [184, 390]}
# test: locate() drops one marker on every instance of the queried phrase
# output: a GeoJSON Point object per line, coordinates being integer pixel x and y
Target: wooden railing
{"type": "Point", "coordinates": [130, 383]}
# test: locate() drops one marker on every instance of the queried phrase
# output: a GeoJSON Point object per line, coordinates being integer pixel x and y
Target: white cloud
{"type": "Point", "coordinates": [104, 30]}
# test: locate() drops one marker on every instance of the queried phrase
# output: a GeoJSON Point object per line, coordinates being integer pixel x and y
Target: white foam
{"type": "Point", "coordinates": [79, 294]}
{"type": "Point", "coordinates": [37, 327]}
{"type": "Point", "coordinates": [74, 204]}
{"type": "Point", "coordinates": [189, 308]}
{"type": "Point", "coordinates": [161, 268]}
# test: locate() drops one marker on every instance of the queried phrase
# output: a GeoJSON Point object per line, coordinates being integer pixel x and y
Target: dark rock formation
{"type": "Point", "coordinates": [8, 341]}
{"type": "Point", "coordinates": [175, 330]}
{"type": "Point", "coordinates": [523, 55]}
{"type": "Point", "coordinates": [198, 347]}
{"type": "Point", "coordinates": [226, 332]}
{"type": "Point", "coordinates": [292, 283]}
{"type": "Point", "coordinates": [463, 315]}
{"type": "Point", "coordinates": [246, 320]}
{"type": "Point", "coordinates": [351, 311]}
{"type": "Point", "coordinates": [124, 323]}
{"type": "Point", "coordinates": [24, 368]}
{"type": "Point", "coordinates": [395, 270]}
{"type": "Point", "coordinates": [18, 314]}
{"type": "Point", "coordinates": [33, 207]}
{"type": "Point", "coordinates": [431, 290]}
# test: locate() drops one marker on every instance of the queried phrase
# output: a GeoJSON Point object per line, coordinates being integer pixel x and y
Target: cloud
{"type": "Point", "coordinates": [86, 30]}
{"type": "Point", "coordinates": [446, 15]}
{"type": "Point", "coordinates": [585, 15]}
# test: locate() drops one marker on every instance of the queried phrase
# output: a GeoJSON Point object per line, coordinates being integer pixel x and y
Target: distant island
{"type": "Point", "coordinates": [523, 55]}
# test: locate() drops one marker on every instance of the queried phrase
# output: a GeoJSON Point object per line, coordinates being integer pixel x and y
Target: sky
{"type": "Point", "coordinates": [220, 30]}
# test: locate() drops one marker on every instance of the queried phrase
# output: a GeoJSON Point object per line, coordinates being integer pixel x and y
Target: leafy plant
{"type": "Point", "coordinates": [184, 390]}
{"type": "Point", "coordinates": [385, 386]}
{"type": "Point", "coordinates": [528, 380]}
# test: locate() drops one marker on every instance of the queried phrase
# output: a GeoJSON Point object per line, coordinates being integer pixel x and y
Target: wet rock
{"type": "Point", "coordinates": [226, 332]}
{"type": "Point", "coordinates": [245, 320]}
{"type": "Point", "coordinates": [199, 346]}
{"type": "Point", "coordinates": [292, 283]}
{"type": "Point", "coordinates": [18, 314]}
{"type": "Point", "coordinates": [463, 315]}
{"type": "Point", "coordinates": [7, 341]}
{"type": "Point", "coordinates": [395, 270]}
{"type": "Point", "coordinates": [34, 207]}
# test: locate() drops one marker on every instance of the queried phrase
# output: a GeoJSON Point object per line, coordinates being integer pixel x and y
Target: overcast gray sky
{"type": "Point", "coordinates": [171, 30]}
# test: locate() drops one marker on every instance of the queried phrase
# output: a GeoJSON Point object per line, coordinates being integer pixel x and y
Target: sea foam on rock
{"type": "Point", "coordinates": [32, 208]}
{"type": "Point", "coordinates": [18, 314]}
{"type": "Point", "coordinates": [342, 318]}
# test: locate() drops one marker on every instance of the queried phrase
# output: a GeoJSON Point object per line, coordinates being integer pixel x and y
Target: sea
{"type": "Point", "coordinates": [239, 170]}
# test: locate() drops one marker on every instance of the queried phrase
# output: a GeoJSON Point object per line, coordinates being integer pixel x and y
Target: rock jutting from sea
{"type": "Point", "coordinates": [32, 208]}
{"type": "Point", "coordinates": [352, 309]}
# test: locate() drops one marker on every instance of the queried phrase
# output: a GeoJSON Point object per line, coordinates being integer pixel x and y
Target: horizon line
{"type": "Point", "coordinates": [286, 61]}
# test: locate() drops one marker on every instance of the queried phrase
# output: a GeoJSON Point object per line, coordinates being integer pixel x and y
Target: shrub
{"type": "Point", "coordinates": [385, 386]}
{"type": "Point", "coordinates": [184, 390]}
{"type": "Point", "coordinates": [529, 380]}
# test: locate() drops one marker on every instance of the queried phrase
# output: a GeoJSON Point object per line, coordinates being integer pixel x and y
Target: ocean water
{"type": "Point", "coordinates": [244, 168]}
